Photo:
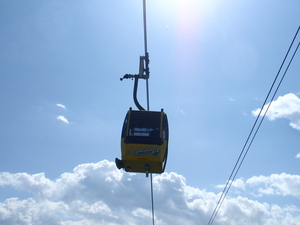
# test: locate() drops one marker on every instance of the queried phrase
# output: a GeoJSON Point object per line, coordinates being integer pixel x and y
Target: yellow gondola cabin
{"type": "Point", "coordinates": [144, 142]}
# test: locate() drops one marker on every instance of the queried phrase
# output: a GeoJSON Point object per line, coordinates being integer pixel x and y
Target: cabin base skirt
{"type": "Point", "coordinates": [140, 167]}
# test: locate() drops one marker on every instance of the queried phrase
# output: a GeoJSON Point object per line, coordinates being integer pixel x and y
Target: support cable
{"type": "Point", "coordinates": [147, 89]}
{"type": "Point", "coordinates": [262, 119]}
{"type": "Point", "coordinates": [146, 53]}
{"type": "Point", "coordinates": [152, 198]}
{"type": "Point", "coordinates": [243, 154]}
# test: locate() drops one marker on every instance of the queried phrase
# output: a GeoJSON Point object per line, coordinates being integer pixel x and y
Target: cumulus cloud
{"type": "Point", "coordinates": [238, 183]}
{"type": "Point", "coordinates": [287, 106]}
{"type": "Point", "coordinates": [99, 193]}
{"type": "Point", "coordinates": [61, 106]}
{"type": "Point", "coordinates": [14, 211]}
{"type": "Point", "coordinates": [298, 156]}
{"type": "Point", "coordinates": [277, 184]}
{"type": "Point", "coordinates": [63, 119]}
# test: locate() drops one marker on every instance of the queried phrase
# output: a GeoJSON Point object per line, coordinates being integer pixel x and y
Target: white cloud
{"type": "Point", "coordinates": [61, 106]}
{"type": "Point", "coordinates": [14, 211]}
{"type": "Point", "coordinates": [238, 183]}
{"type": "Point", "coordinates": [99, 193]}
{"type": "Point", "coordinates": [287, 106]}
{"type": "Point", "coordinates": [181, 110]}
{"type": "Point", "coordinates": [298, 156]}
{"type": "Point", "coordinates": [64, 119]}
{"type": "Point", "coordinates": [277, 184]}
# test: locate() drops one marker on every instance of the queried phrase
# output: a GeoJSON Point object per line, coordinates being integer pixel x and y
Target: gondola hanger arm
{"type": "Point", "coordinates": [143, 74]}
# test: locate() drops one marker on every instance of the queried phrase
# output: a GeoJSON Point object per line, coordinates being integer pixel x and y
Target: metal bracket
{"type": "Point", "coordinates": [143, 74]}
{"type": "Point", "coordinates": [147, 167]}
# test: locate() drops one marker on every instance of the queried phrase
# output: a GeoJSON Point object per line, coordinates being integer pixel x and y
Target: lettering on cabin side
{"type": "Point", "coordinates": [146, 151]}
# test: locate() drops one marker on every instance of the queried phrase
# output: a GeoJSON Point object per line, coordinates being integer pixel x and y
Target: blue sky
{"type": "Point", "coordinates": [211, 66]}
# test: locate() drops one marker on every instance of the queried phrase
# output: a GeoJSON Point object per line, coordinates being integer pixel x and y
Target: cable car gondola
{"type": "Point", "coordinates": [144, 142]}
{"type": "Point", "coordinates": [145, 134]}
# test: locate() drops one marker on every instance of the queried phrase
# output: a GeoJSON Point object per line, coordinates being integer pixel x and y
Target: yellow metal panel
{"type": "Point", "coordinates": [136, 156]}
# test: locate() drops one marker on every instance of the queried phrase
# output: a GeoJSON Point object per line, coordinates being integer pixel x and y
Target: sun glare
{"type": "Point", "coordinates": [184, 16]}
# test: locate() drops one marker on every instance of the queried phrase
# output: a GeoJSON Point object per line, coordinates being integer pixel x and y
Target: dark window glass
{"type": "Point", "coordinates": [165, 130]}
{"type": "Point", "coordinates": [144, 124]}
{"type": "Point", "coordinates": [124, 129]}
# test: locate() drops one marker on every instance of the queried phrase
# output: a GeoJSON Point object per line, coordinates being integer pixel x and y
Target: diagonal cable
{"type": "Point", "coordinates": [242, 154]}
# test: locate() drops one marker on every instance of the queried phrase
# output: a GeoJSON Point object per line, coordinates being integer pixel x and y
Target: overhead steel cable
{"type": "Point", "coordinates": [152, 201]}
{"type": "Point", "coordinates": [263, 117]}
{"type": "Point", "coordinates": [243, 153]}
{"type": "Point", "coordinates": [147, 71]}
{"type": "Point", "coordinates": [147, 89]}
{"type": "Point", "coordinates": [233, 178]}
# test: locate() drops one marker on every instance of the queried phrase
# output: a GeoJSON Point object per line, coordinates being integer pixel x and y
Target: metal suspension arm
{"type": "Point", "coordinates": [136, 77]}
